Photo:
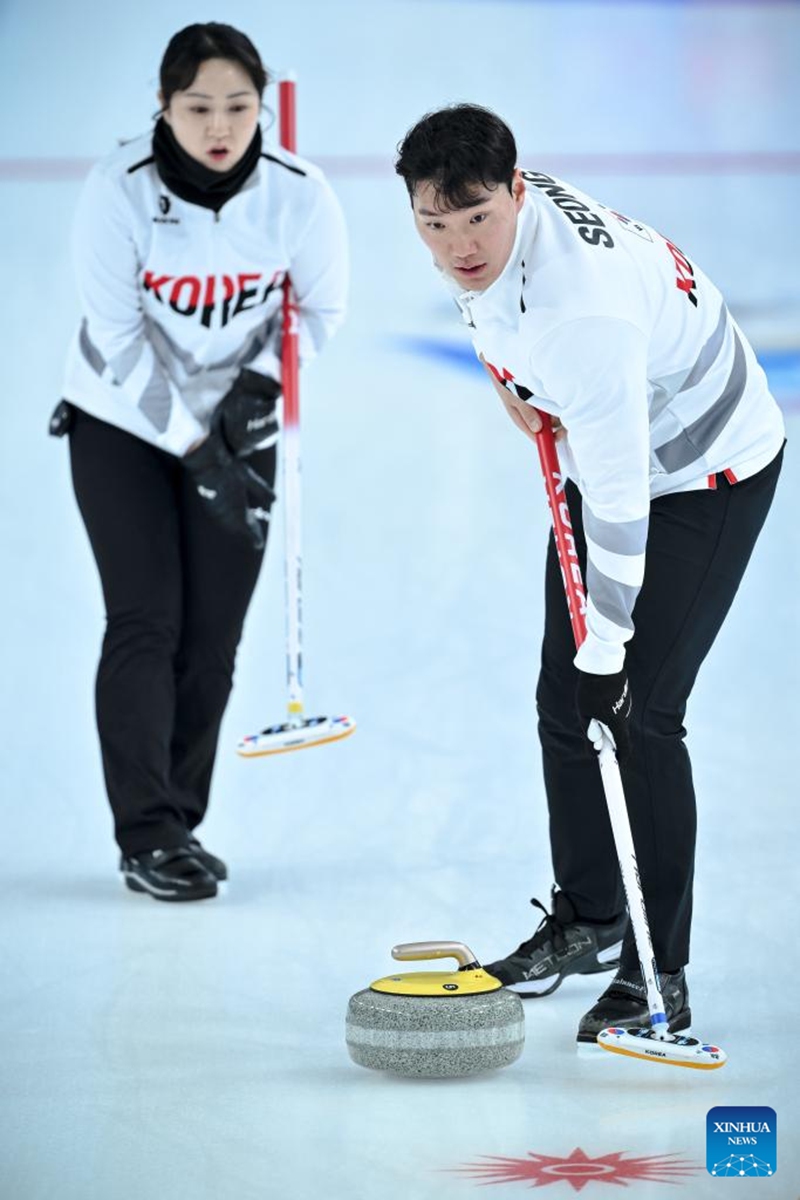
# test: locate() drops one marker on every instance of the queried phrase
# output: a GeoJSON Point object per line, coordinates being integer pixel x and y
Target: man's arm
{"type": "Point", "coordinates": [596, 370]}
{"type": "Point", "coordinates": [523, 415]}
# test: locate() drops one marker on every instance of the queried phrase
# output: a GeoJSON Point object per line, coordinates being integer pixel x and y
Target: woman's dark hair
{"type": "Point", "coordinates": [457, 149]}
{"type": "Point", "coordinates": [192, 46]}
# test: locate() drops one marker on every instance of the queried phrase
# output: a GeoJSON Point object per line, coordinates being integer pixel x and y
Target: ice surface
{"type": "Point", "coordinates": [198, 1052]}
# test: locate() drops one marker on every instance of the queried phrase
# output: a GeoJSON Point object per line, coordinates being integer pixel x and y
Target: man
{"type": "Point", "coordinates": [673, 446]}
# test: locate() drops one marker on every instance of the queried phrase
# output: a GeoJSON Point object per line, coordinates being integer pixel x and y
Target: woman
{"type": "Point", "coordinates": [182, 239]}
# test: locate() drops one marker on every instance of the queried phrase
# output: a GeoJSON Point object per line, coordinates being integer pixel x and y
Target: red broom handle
{"type": "Point", "coordinates": [562, 528]}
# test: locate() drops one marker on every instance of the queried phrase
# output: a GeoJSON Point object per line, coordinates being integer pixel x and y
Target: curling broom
{"type": "Point", "coordinates": [654, 1043]}
{"type": "Point", "coordinates": [298, 731]}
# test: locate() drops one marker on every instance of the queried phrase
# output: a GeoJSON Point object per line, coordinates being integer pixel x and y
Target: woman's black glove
{"type": "Point", "coordinates": [246, 416]}
{"type": "Point", "coordinates": [234, 494]}
{"type": "Point", "coordinates": [606, 698]}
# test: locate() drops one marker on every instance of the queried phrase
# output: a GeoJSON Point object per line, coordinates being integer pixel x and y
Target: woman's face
{"type": "Point", "coordinates": [215, 118]}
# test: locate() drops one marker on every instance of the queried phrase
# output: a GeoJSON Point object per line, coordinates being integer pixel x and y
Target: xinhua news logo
{"type": "Point", "coordinates": [741, 1143]}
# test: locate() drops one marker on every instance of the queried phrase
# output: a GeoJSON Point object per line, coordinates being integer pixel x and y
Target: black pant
{"type": "Point", "coordinates": [698, 546]}
{"type": "Point", "coordinates": [176, 588]}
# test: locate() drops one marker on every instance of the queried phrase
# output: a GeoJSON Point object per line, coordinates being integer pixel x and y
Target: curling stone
{"type": "Point", "coordinates": [435, 1023]}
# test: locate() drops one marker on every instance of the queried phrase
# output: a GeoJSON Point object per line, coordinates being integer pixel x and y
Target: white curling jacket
{"type": "Point", "coordinates": [176, 298]}
{"type": "Point", "coordinates": [599, 320]}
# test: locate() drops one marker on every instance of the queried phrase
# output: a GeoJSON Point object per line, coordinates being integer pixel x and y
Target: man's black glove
{"type": "Point", "coordinates": [245, 416]}
{"type": "Point", "coordinates": [234, 494]}
{"type": "Point", "coordinates": [606, 698]}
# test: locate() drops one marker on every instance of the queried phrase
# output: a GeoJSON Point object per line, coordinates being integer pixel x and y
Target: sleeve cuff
{"type": "Point", "coordinates": [598, 658]}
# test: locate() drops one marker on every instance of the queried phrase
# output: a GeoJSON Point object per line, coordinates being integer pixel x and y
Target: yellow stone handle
{"type": "Point", "coordinates": [413, 951]}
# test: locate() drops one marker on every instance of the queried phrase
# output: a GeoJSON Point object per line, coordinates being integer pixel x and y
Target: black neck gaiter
{"type": "Point", "coordinates": [189, 179]}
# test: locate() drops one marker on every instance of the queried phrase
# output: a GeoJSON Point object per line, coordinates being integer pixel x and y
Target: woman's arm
{"type": "Point", "coordinates": [113, 337]}
{"type": "Point", "coordinates": [319, 271]}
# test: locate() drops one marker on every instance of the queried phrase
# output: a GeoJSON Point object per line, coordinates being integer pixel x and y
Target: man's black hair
{"type": "Point", "coordinates": [458, 149]}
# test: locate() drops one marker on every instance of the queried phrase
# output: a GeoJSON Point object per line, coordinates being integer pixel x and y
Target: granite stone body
{"type": "Point", "coordinates": [435, 1036]}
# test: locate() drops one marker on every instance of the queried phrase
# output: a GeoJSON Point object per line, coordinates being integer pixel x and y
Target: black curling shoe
{"type": "Point", "coordinates": [564, 944]}
{"type": "Point", "coordinates": [175, 874]}
{"type": "Point", "coordinates": [212, 864]}
{"type": "Point", "coordinates": [624, 1004]}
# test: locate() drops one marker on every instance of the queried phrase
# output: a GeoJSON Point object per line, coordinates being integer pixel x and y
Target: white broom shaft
{"type": "Point", "coordinates": [609, 768]}
{"type": "Point", "coordinates": [293, 563]}
{"type": "Point", "coordinates": [291, 450]}
{"type": "Point", "coordinates": [629, 869]}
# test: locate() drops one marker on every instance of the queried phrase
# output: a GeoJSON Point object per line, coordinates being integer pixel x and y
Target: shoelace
{"type": "Point", "coordinates": [550, 929]}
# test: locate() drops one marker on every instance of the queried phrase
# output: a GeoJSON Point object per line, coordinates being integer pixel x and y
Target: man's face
{"type": "Point", "coordinates": [472, 245]}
